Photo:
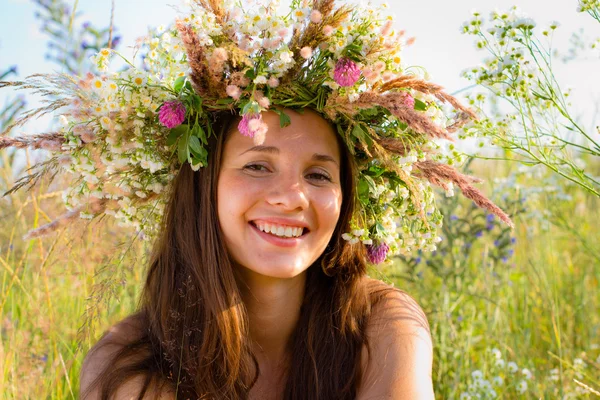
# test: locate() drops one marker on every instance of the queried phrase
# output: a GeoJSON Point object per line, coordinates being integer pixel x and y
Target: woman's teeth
{"type": "Point", "coordinates": [279, 230]}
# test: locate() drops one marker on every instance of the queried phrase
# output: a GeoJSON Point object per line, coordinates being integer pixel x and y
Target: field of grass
{"type": "Point", "coordinates": [515, 314]}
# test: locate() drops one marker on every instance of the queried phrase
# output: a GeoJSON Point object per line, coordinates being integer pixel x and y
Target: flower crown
{"type": "Point", "coordinates": [125, 134]}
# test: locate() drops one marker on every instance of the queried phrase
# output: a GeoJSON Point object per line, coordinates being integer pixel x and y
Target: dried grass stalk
{"type": "Point", "coordinates": [438, 174]}
{"type": "Point", "coordinates": [423, 86]}
{"type": "Point", "coordinates": [196, 59]}
{"type": "Point", "coordinates": [92, 207]}
{"type": "Point", "coordinates": [46, 141]}
{"type": "Point", "coordinates": [394, 102]}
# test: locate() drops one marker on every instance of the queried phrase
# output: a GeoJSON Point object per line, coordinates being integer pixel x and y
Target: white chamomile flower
{"type": "Point", "coordinates": [522, 387]}
{"type": "Point", "coordinates": [260, 80]}
{"type": "Point", "coordinates": [512, 367]}
{"type": "Point", "coordinates": [477, 374]}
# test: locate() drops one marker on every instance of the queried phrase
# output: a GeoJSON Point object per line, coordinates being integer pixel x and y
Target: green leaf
{"type": "Point", "coordinates": [375, 170]}
{"type": "Point", "coordinates": [179, 82]}
{"type": "Point", "coordinates": [358, 132]}
{"type": "Point", "coordinates": [250, 74]}
{"type": "Point", "coordinates": [175, 133]}
{"type": "Point", "coordinates": [228, 100]}
{"type": "Point", "coordinates": [363, 188]}
{"type": "Point", "coordinates": [284, 119]}
{"type": "Point", "coordinates": [251, 107]}
{"type": "Point", "coordinates": [202, 135]}
{"type": "Point", "coordinates": [195, 145]}
{"type": "Point", "coordinates": [183, 152]}
{"type": "Point", "coordinates": [420, 106]}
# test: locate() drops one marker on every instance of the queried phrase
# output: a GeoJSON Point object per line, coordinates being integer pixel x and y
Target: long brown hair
{"type": "Point", "coordinates": [195, 335]}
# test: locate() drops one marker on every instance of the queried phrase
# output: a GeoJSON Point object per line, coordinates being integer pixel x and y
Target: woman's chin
{"type": "Point", "coordinates": [276, 270]}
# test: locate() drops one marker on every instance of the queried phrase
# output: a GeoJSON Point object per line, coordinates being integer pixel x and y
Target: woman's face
{"type": "Point", "coordinates": [278, 204]}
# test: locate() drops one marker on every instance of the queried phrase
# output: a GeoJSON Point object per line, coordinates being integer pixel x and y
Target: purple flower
{"type": "Point", "coordinates": [377, 253]}
{"type": "Point", "coordinates": [490, 218]}
{"type": "Point", "coordinates": [346, 72]}
{"type": "Point", "coordinates": [453, 217]}
{"type": "Point", "coordinates": [479, 234]}
{"type": "Point", "coordinates": [409, 101]}
{"type": "Point", "coordinates": [171, 114]}
{"type": "Point", "coordinates": [243, 125]}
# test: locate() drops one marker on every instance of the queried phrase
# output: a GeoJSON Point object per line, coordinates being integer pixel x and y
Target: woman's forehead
{"type": "Point", "coordinates": [308, 131]}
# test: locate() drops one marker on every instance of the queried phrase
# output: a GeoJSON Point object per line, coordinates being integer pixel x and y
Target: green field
{"type": "Point", "coordinates": [513, 313]}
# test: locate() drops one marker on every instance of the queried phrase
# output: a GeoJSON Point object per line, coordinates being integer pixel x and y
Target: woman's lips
{"type": "Point", "coordinates": [277, 241]}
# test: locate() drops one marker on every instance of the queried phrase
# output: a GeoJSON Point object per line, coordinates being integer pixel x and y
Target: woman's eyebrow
{"type": "Point", "coordinates": [262, 149]}
{"type": "Point", "coordinates": [324, 157]}
{"type": "Point", "coordinates": [275, 150]}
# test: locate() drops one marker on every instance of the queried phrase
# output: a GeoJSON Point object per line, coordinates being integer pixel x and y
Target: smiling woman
{"type": "Point", "coordinates": [291, 181]}
{"type": "Point", "coordinates": [280, 315]}
{"type": "Point", "coordinates": [271, 158]}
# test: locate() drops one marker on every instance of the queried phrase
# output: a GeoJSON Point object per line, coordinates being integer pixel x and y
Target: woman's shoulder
{"type": "Point", "coordinates": [400, 353]}
{"type": "Point", "coordinates": [101, 358]}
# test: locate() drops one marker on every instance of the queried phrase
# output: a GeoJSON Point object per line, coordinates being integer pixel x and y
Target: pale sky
{"type": "Point", "coordinates": [439, 47]}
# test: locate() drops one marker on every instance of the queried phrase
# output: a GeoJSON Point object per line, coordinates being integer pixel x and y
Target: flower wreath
{"type": "Point", "coordinates": [125, 134]}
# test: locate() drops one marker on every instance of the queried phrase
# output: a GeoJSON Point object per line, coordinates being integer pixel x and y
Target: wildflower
{"type": "Point", "coordinates": [286, 56]}
{"type": "Point", "coordinates": [477, 374]}
{"type": "Point", "coordinates": [138, 80]}
{"type": "Point", "coordinates": [316, 16]}
{"type": "Point", "coordinates": [97, 84]}
{"type": "Point", "coordinates": [244, 127]}
{"type": "Point", "coordinates": [409, 101]}
{"type": "Point", "coordinates": [327, 30]}
{"type": "Point", "coordinates": [498, 381]}
{"type": "Point", "coordinates": [499, 363]}
{"type": "Point", "coordinates": [260, 80]}
{"type": "Point", "coordinates": [233, 91]}
{"type": "Point", "coordinates": [346, 72]}
{"type": "Point", "coordinates": [306, 52]}
{"type": "Point", "coordinates": [171, 114]}
{"type": "Point", "coordinates": [526, 373]}
{"type": "Point", "coordinates": [387, 28]}
{"type": "Point", "coordinates": [522, 387]}
{"type": "Point", "coordinates": [273, 82]}
{"type": "Point", "coordinates": [512, 367]}
{"type": "Point", "coordinates": [377, 253]}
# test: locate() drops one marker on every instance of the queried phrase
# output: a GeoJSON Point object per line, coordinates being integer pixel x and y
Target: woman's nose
{"type": "Point", "coordinates": [288, 192]}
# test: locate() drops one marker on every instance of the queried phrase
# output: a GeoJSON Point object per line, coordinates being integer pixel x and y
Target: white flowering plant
{"type": "Point", "coordinates": [125, 134]}
{"type": "Point", "coordinates": [501, 379]}
{"type": "Point", "coordinates": [531, 117]}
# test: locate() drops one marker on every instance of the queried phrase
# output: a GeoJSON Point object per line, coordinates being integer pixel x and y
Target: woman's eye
{"type": "Point", "coordinates": [319, 177]}
{"type": "Point", "coordinates": [256, 167]}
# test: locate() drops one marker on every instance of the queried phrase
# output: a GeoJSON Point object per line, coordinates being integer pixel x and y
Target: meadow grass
{"type": "Point", "coordinates": [537, 310]}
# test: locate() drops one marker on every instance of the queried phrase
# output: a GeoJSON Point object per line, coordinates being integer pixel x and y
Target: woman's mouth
{"type": "Point", "coordinates": [279, 235]}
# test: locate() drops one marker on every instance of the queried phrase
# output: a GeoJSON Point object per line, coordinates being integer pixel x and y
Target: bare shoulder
{"type": "Point", "coordinates": [398, 363]}
{"type": "Point", "coordinates": [101, 356]}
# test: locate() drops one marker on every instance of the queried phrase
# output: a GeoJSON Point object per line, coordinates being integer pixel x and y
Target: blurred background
{"type": "Point", "coordinates": [514, 313]}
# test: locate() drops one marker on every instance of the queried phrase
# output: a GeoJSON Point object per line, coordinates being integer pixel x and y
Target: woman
{"type": "Point", "coordinates": [287, 315]}
{"type": "Point", "coordinates": [257, 285]}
